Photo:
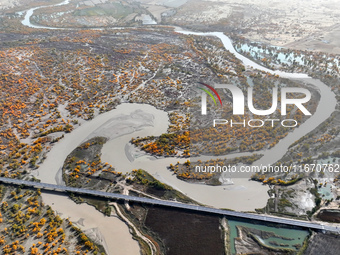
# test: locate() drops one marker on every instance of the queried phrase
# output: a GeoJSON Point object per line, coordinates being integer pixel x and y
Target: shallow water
{"type": "Point", "coordinates": [297, 236]}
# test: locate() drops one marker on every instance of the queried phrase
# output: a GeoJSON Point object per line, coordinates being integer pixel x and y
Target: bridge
{"type": "Point", "coordinates": [173, 204]}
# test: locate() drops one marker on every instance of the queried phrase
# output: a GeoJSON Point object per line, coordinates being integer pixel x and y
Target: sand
{"type": "Point", "coordinates": [111, 232]}
{"type": "Point", "coordinates": [306, 24]}
{"type": "Point", "coordinates": [5, 4]}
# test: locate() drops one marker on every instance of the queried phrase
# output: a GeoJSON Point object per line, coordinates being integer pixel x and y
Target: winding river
{"type": "Point", "coordinates": [325, 108]}
{"type": "Point", "coordinates": [132, 120]}
{"type": "Point", "coordinates": [27, 22]}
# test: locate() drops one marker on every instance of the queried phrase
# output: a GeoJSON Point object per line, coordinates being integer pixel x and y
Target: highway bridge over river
{"type": "Point", "coordinates": [173, 204]}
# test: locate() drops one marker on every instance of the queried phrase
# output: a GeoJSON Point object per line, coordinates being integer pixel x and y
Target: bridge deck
{"type": "Point", "coordinates": [278, 220]}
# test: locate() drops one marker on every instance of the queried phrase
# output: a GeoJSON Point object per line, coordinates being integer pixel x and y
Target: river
{"type": "Point", "coordinates": [118, 239]}
{"type": "Point", "coordinates": [120, 154]}
{"type": "Point", "coordinates": [325, 107]}
{"type": "Point", "coordinates": [27, 22]}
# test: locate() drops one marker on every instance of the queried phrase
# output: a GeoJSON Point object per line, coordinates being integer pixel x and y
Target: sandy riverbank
{"type": "Point", "coordinates": [6, 4]}
{"type": "Point", "coordinates": [110, 232]}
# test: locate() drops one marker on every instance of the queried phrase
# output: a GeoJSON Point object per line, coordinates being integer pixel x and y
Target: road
{"type": "Point", "coordinates": [116, 196]}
